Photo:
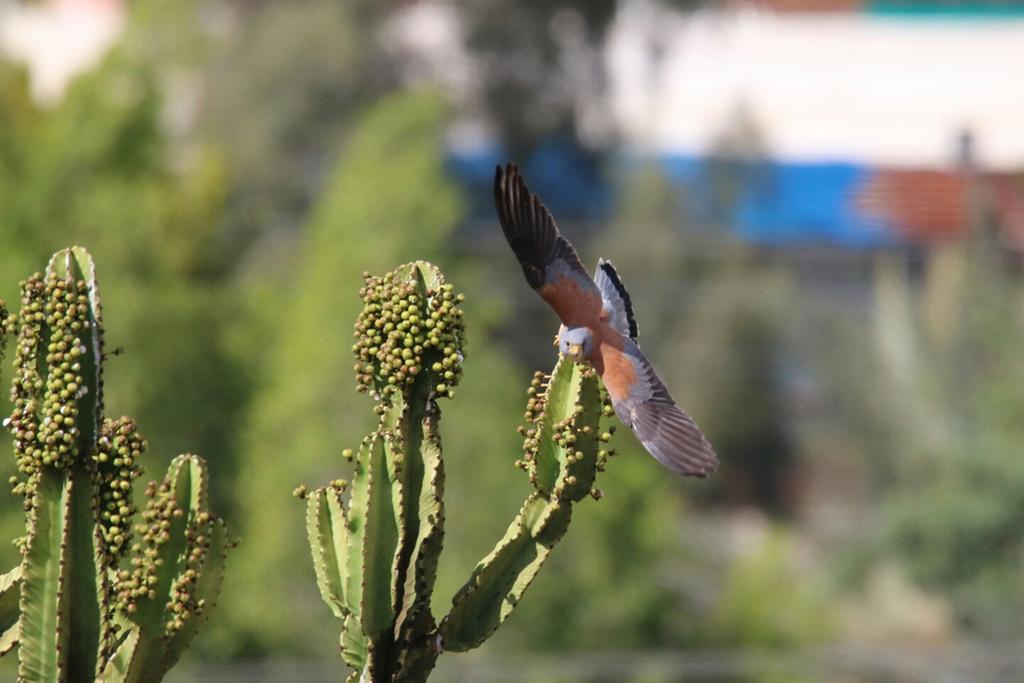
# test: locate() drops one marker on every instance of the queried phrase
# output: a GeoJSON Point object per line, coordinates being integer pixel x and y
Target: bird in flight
{"type": "Point", "coordinates": [598, 328]}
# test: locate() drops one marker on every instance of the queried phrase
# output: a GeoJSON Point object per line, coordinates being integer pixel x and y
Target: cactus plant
{"type": "Point", "coordinates": [376, 539]}
{"type": "Point", "coordinates": [95, 597]}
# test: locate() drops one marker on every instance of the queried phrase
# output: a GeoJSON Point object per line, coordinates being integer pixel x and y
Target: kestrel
{"type": "Point", "coordinates": [598, 328]}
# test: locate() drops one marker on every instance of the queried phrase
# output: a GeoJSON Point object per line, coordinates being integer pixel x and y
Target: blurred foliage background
{"type": "Point", "coordinates": [235, 166]}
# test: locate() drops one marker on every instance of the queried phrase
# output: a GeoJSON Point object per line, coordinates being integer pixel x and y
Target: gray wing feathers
{"type": "Point", "coordinates": [616, 299]}
{"type": "Point", "coordinates": [669, 434]}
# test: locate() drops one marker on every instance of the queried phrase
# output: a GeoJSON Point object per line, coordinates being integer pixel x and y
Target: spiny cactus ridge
{"type": "Point", "coordinates": [562, 458]}
{"type": "Point", "coordinates": [85, 603]}
{"type": "Point", "coordinates": [376, 539]}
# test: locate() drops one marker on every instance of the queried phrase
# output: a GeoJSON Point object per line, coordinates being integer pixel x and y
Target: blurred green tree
{"type": "Point", "coordinates": [954, 513]}
{"type": "Point", "coordinates": [278, 94]}
{"type": "Point", "coordinates": [96, 170]}
{"type": "Point", "coordinates": [388, 202]}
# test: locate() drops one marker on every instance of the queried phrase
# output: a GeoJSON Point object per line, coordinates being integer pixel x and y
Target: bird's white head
{"type": "Point", "coordinates": [576, 342]}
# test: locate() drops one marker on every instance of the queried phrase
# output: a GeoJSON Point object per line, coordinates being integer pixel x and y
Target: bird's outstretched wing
{"type": "Point", "coordinates": [618, 307]}
{"type": "Point", "coordinates": [551, 265]}
{"type": "Point", "coordinates": [643, 403]}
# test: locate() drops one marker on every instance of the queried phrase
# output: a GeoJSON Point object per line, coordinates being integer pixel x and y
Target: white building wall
{"type": "Point", "coordinates": [821, 87]}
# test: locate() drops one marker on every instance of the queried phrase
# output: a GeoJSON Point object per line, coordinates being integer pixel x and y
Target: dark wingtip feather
{"type": "Point", "coordinates": [524, 221]}
{"type": "Point", "coordinates": [529, 227]}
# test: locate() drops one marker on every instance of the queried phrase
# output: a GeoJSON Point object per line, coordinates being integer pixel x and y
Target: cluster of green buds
{"type": "Point", "coordinates": [47, 385]}
{"type": "Point", "coordinates": [404, 330]}
{"type": "Point", "coordinates": [535, 401]}
{"type": "Point", "coordinates": [185, 600]}
{"type": "Point", "coordinates": [118, 453]}
{"type": "Point", "coordinates": [176, 535]}
{"type": "Point", "coordinates": [561, 434]}
{"type": "Point", "coordinates": [154, 531]}
{"type": "Point", "coordinates": [27, 386]}
{"type": "Point", "coordinates": [608, 411]}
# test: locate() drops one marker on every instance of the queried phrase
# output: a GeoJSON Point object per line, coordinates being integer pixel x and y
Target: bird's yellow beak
{"type": "Point", "coordinates": [575, 350]}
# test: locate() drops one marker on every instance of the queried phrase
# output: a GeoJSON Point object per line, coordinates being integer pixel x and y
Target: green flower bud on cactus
{"type": "Point", "coordinates": [390, 348]}
{"type": "Point", "coordinates": [118, 453]}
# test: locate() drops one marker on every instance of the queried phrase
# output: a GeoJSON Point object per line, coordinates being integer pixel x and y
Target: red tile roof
{"type": "Point", "coordinates": [920, 205]}
{"type": "Point", "coordinates": [933, 206]}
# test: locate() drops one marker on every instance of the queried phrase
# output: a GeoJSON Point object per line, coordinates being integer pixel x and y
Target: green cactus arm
{"type": "Point", "coordinates": [415, 623]}
{"type": "Point", "coordinates": [61, 601]}
{"type": "Point", "coordinates": [142, 656]}
{"type": "Point", "coordinates": [190, 548]}
{"type": "Point", "coordinates": [182, 485]}
{"type": "Point", "coordinates": [119, 664]}
{"type": "Point", "coordinates": [139, 659]}
{"type": "Point", "coordinates": [86, 584]}
{"type": "Point", "coordinates": [44, 644]}
{"type": "Point", "coordinates": [559, 401]}
{"type": "Point", "coordinates": [372, 554]}
{"type": "Point", "coordinates": [380, 541]}
{"type": "Point", "coordinates": [424, 451]}
{"type": "Point", "coordinates": [358, 503]}
{"type": "Point", "coordinates": [124, 648]}
{"type": "Point", "coordinates": [10, 595]}
{"type": "Point", "coordinates": [10, 638]}
{"type": "Point", "coordinates": [401, 466]}
{"type": "Point", "coordinates": [55, 423]}
{"type": "Point", "coordinates": [501, 578]}
{"type": "Point", "coordinates": [564, 431]}
{"type": "Point", "coordinates": [561, 446]}
{"type": "Point", "coordinates": [578, 459]}
{"type": "Point", "coordinates": [88, 599]}
{"type": "Point", "coordinates": [207, 588]}
{"type": "Point", "coordinates": [354, 644]}
{"type": "Point", "coordinates": [327, 529]}
{"type": "Point", "coordinates": [372, 539]}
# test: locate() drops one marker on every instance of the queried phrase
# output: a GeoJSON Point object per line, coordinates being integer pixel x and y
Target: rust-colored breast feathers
{"type": "Point", "coordinates": [616, 369]}
{"type": "Point", "coordinates": [575, 305]}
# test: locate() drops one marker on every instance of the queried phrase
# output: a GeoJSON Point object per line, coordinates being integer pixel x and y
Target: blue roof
{"type": "Point", "coordinates": [775, 202]}
{"type": "Point", "coordinates": [768, 202]}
